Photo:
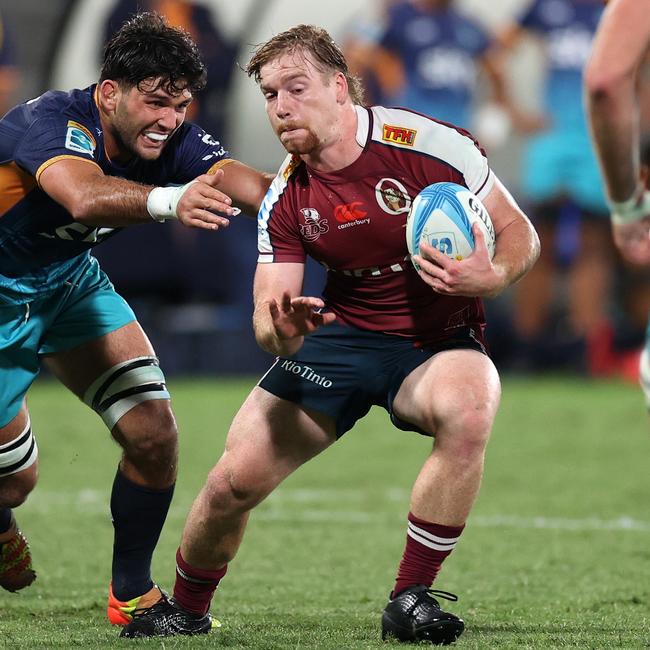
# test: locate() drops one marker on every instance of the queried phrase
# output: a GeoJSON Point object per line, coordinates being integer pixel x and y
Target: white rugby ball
{"type": "Point", "coordinates": [442, 215]}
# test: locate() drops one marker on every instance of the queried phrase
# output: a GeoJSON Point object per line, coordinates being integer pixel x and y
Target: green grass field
{"type": "Point", "coordinates": [556, 553]}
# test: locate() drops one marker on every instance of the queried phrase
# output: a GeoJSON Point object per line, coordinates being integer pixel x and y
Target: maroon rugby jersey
{"type": "Point", "coordinates": [353, 221]}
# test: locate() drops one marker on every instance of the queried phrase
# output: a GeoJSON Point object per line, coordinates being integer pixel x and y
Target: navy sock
{"type": "Point", "coordinates": [5, 519]}
{"type": "Point", "coordinates": [138, 517]}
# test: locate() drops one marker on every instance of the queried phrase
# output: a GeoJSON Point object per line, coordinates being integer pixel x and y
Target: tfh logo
{"type": "Point", "coordinates": [399, 135]}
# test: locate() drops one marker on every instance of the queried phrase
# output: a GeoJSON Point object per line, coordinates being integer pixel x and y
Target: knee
{"type": "Point", "coordinates": [228, 491]}
{"type": "Point", "coordinates": [466, 435]}
{"type": "Point", "coordinates": [148, 434]}
{"type": "Point", "coordinates": [15, 489]}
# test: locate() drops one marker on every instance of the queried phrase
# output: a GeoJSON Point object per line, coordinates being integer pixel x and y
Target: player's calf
{"type": "Point", "coordinates": [17, 479]}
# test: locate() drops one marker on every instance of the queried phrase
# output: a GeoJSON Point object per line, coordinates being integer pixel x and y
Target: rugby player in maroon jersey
{"type": "Point", "coordinates": [381, 334]}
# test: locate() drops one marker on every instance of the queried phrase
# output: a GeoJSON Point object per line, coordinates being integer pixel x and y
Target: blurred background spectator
{"type": "Point", "coordinates": [9, 74]}
{"type": "Point", "coordinates": [219, 52]}
{"type": "Point", "coordinates": [426, 55]}
{"type": "Point", "coordinates": [192, 291]}
{"type": "Point", "coordinates": [562, 189]}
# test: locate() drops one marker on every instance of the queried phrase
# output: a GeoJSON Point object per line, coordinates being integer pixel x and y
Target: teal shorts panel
{"type": "Point", "coordinates": [343, 371]}
{"type": "Point", "coordinates": [563, 163]}
{"type": "Point", "coordinates": [83, 309]}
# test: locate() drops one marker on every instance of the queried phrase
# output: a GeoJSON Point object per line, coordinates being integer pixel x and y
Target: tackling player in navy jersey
{"type": "Point", "coordinates": [75, 168]}
{"type": "Point", "coordinates": [381, 335]}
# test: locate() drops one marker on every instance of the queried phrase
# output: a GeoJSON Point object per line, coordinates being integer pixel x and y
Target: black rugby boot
{"type": "Point", "coordinates": [415, 615]}
{"type": "Point", "coordinates": [166, 618]}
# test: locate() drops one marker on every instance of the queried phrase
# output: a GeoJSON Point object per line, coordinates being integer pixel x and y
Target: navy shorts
{"type": "Point", "coordinates": [342, 371]}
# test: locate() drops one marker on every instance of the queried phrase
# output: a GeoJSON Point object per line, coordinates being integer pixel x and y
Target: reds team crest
{"type": "Point", "coordinates": [314, 225]}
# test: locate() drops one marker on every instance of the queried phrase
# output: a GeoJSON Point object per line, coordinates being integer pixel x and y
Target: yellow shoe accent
{"type": "Point", "coordinates": [121, 612]}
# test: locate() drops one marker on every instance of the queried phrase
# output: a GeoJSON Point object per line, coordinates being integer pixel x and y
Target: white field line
{"type": "Point", "coordinates": [305, 505]}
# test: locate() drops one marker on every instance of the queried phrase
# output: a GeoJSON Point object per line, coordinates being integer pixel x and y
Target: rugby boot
{"type": "Point", "coordinates": [121, 612]}
{"type": "Point", "coordinates": [167, 618]}
{"type": "Point", "coordinates": [415, 615]}
{"type": "Point", "coordinates": [16, 570]}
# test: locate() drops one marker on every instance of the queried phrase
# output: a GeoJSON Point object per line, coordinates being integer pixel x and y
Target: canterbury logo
{"type": "Point", "coordinates": [349, 212]}
{"type": "Point", "coordinates": [399, 135]}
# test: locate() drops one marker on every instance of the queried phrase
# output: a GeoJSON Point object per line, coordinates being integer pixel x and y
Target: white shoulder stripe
{"type": "Point", "coordinates": [271, 197]}
{"type": "Point", "coordinates": [404, 129]}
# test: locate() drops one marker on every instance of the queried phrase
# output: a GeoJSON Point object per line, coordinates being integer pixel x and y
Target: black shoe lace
{"type": "Point", "coordinates": [447, 595]}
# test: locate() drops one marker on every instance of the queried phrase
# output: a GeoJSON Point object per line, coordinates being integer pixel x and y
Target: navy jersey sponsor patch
{"type": "Point", "coordinates": [78, 138]}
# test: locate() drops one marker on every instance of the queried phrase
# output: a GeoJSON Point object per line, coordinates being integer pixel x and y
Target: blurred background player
{"type": "Point", "coordinates": [9, 72]}
{"type": "Point", "coordinates": [561, 185]}
{"type": "Point", "coordinates": [410, 342]}
{"type": "Point", "coordinates": [427, 56]}
{"type": "Point", "coordinates": [78, 167]}
{"type": "Point", "coordinates": [217, 51]}
{"type": "Point", "coordinates": [614, 86]}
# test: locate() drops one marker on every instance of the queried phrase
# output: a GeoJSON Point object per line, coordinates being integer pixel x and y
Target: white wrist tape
{"type": "Point", "coordinates": [162, 201]}
{"type": "Point", "coordinates": [634, 209]}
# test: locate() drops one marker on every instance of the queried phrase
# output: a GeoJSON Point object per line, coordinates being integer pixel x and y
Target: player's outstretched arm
{"type": "Point", "coordinates": [610, 81]}
{"type": "Point", "coordinates": [244, 185]}
{"type": "Point", "coordinates": [282, 317]}
{"type": "Point", "coordinates": [612, 103]}
{"type": "Point", "coordinates": [95, 199]}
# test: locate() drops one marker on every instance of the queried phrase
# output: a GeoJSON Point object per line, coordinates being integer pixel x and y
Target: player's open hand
{"type": "Point", "coordinates": [294, 317]}
{"type": "Point", "coordinates": [203, 205]}
{"type": "Point", "coordinates": [633, 240]}
{"type": "Point", "coordinates": [473, 276]}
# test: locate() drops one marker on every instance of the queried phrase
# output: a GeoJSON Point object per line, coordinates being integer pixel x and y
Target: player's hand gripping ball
{"type": "Point", "coordinates": [442, 215]}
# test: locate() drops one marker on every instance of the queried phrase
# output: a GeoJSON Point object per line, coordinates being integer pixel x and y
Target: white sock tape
{"type": "Point", "coordinates": [634, 209]}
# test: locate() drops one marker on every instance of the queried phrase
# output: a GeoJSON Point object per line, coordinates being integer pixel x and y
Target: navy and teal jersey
{"type": "Point", "coordinates": [438, 49]}
{"type": "Point", "coordinates": [41, 245]}
{"type": "Point", "coordinates": [567, 28]}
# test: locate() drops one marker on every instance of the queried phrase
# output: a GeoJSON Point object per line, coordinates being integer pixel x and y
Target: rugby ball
{"type": "Point", "coordinates": [442, 215]}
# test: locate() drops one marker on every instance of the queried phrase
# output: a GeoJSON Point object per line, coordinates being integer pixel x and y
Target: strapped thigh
{"type": "Point", "coordinates": [124, 386]}
{"type": "Point", "coordinates": [18, 454]}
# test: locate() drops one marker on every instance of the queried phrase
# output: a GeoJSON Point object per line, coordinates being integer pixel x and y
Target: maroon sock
{"type": "Point", "coordinates": [427, 545]}
{"type": "Point", "coordinates": [194, 588]}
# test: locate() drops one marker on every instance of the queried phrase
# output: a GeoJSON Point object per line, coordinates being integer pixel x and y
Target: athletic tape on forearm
{"type": "Point", "coordinates": [634, 209]}
{"type": "Point", "coordinates": [162, 201]}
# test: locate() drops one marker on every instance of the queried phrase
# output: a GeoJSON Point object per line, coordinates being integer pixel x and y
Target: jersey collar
{"type": "Point", "coordinates": [363, 125]}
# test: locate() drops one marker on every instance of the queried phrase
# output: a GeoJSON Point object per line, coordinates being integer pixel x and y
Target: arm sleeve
{"type": "Point", "coordinates": [278, 232]}
{"type": "Point", "coordinates": [51, 138]}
